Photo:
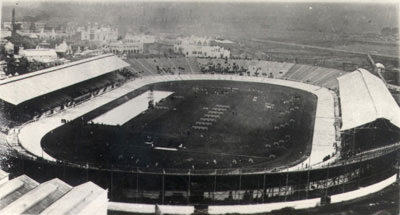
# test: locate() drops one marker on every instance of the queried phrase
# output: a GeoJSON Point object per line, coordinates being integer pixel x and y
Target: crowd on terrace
{"type": "Point", "coordinates": [319, 76]}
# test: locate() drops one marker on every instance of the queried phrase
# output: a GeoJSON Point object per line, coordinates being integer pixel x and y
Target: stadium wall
{"type": "Point", "coordinates": [217, 189]}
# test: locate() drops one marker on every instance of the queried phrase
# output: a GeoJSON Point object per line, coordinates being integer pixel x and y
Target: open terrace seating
{"type": "Point", "coordinates": [325, 77]}
{"type": "Point", "coordinates": [62, 99]}
{"type": "Point", "coordinates": [138, 67]}
{"type": "Point", "coordinates": [194, 65]}
{"type": "Point", "coordinates": [181, 64]}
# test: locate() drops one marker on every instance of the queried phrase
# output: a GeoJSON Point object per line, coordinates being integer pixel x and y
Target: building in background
{"type": "Point", "coordinates": [51, 34]}
{"type": "Point", "coordinates": [63, 49]}
{"type": "Point", "coordinates": [161, 47]}
{"type": "Point", "coordinates": [195, 46]}
{"type": "Point", "coordinates": [226, 44]}
{"type": "Point", "coordinates": [203, 51]}
{"type": "Point", "coordinates": [142, 38]}
{"type": "Point", "coordinates": [98, 33]}
{"type": "Point", "coordinates": [3, 35]}
{"type": "Point", "coordinates": [126, 47]}
{"type": "Point", "coordinates": [38, 26]}
{"type": "Point", "coordinates": [194, 40]}
{"type": "Point", "coordinates": [40, 55]}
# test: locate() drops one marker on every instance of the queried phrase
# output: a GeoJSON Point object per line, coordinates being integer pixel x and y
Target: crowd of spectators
{"type": "Point", "coordinates": [83, 92]}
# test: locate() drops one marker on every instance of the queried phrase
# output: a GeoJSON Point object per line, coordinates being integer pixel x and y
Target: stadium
{"type": "Point", "coordinates": [205, 134]}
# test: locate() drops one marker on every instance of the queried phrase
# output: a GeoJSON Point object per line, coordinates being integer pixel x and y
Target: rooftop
{"type": "Point", "coordinates": [22, 88]}
{"type": "Point", "coordinates": [365, 98]}
{"type": "Point", "coordinates": [15, 188]}
{"type": "Point", "coordinates": [38, 52]}
{"type": "Point", "coordinates": [22, 195]}
{"type": "Point", "coordinates": [37, 199]}
{"type": "Point", "coordinates": [224, 41]}
{"type": "Point", "coordinates": [77, 199]}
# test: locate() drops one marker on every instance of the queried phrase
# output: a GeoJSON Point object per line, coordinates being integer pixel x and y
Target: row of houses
{"type": "Point", "coordinates": [132, 44]}
{"type": "Point", "coordinates": [98, 33]}
{"type": "Point", "coordinates": [108, 38]}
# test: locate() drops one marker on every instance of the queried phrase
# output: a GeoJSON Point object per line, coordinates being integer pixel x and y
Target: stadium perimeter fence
{"type": "Point", "coordinates": [239, 186]}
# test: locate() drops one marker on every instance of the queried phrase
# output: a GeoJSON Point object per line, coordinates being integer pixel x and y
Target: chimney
{"type": "Point", "coordinates": [13, 20]}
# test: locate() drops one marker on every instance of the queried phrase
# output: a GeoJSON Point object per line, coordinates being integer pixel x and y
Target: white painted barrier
{"type": "Point", "coordinates": [262, 208]}
{"type": "Point", "coordinates": [149, 209]}
{"type": "Point", "coordinates": [363, 191]}
{"type": "Point", "coordinates": [303, 204]}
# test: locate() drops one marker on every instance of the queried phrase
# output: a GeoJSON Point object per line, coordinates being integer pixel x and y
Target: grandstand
{"type": "Point", "coordinates": [341, 151]}
{"type": "Point", "coordinates": [324, 77]}
{"type": "Point", "coordinates": [184, 66]}
{"type": "Point", "coordinates": [28, 96]}
{"type": "Point", "coordinates": [164, 66]}
{"type": "Point", "coordinates": [370, 115]}
{"type": "Point", "coordinates": [14, 90]}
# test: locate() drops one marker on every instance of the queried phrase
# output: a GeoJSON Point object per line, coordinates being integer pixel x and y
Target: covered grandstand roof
{"type": "Point", "coordinates": [79, 200]}
{"type": "Point", "coordinates": [365, 98]}
{"type": "Point", "coordinates": [3, 177]}
{"type": "Point", "coordinates": [37, 199]}
{"type": "Point", "coordinates": [23, 195]}
{"type": "Point", "coordinates": [22, 88]}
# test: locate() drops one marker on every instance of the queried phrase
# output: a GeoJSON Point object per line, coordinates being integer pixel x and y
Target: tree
{"type": "Point", "coordinates": [11, 64]}
{"type": "Point", "coordinates": [23, 65]}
